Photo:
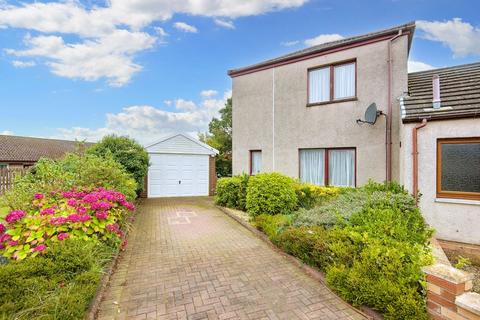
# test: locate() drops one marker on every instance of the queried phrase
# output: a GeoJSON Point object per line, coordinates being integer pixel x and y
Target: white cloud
{"type": "Point", "coordinates": [7, 133]}
{"type": "Point", "coordinates": [147, 123]}
{"type": "Point", "coordinates": [185, 27]}
{"type": "Point", "coordinates": [161, 32]}
{"type": "Point", "coordinates": [224, 23]}
{"type": "Point", "coordinates": [109, 57]}
{"type": "Point", "coordinates": [414, 66]}
{"type": "Point", "coordinates": [186, 105]}
{"type": "Point", "coordinates": [23, 64]}
{"type": "Point", "coordinates": [208, 93]}
{"type": "Point", "coordinates": [323, 38]}
{"type": "Point", "coordinates": [168, 102]}
{"type": "Point", "coordinates": [89, 30]}
{"type": "Point", "coordinates": [461, 37]}
{"type": "Point", "coordinates": [290, 43]}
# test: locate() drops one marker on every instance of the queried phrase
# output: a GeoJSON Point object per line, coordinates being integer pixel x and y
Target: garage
{"type": "Point", "coordinates": [180, 166]}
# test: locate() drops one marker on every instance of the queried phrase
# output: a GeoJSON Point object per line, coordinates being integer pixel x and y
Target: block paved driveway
{"type": "Point", "coordinates": [188, 260]}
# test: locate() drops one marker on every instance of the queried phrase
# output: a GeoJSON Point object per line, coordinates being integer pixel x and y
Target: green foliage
{"type": "Point", "coordinates": [80, 171]}
{"type": "Point", "coordinates": [126, 151]}
{"type": "Point", "coordinates": [272, 225]}
{"type": "Point", "coordinates": [271, 193]}
{"type": "Point", "coordinates": [310, 195]}
{"type": "Point", "coordinates": [219, 136]}
{"type": "Point", "coordinates": [462, 262]}
{"type": "Point", "coordinates": [338, 210]}
{"type": "Point", "coordinates": [56, 285]}
{"type": "Point", "coordinates": [306, 243]}
{"type": "Point", "coordinates": [373, 251]}
{"type": "Point", "coordinates": [232, 192]}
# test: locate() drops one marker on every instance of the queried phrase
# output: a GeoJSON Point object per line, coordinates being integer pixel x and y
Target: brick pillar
{"type": "Point", "coordinates": [212, 176]}
{"type": "Point", "coordinates": [448, 290]}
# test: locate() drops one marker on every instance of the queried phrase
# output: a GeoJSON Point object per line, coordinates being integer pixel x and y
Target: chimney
{"type": "Point", "coordinates": [436, 91]}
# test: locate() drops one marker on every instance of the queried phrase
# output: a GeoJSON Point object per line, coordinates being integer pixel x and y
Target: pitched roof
{"type": "Point", "coordinates": [28, 149]}
{"type": "Point", "coordinates": [325, 47]}
{"type": "Point", "coordinates": [186, 136]}
{"type": "Point", "coordinates": [459, 93]}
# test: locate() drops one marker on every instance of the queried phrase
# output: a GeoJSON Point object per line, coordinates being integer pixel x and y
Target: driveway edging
{"type": "Point", "coordinates": [314, 273]}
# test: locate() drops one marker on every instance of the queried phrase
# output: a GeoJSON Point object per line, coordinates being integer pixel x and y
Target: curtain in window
{"type": "Point", "coordinates": [312, 166]}
{"type": "Point", "coordinates": [256, 162]}
{"type": "Point", "coordinates": [341, 168]}
{"type": "Point", "coordinates": [319, 85]}
{"type": "Point", "coordinates": [344, 85]}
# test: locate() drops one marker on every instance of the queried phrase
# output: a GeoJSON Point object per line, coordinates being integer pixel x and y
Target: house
{"type": "Point", "coordinates": [21, 152]}
{"type": "Point", "coordinates": [180, 166]}
{"type": "Point", "coordinates": [441, 127]}
{"type": "Point", "coordinates": [302, 114]}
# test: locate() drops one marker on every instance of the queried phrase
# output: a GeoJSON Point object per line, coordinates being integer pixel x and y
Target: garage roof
{"type": "Point", "coordinates": [180, 143]}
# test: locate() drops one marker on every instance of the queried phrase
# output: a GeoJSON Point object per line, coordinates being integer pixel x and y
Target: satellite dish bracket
{"type": "Point", "coordinates": [368, 114]}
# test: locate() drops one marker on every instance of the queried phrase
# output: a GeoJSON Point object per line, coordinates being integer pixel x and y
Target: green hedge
{"type": "Point", "coordinates": [58, 284]}
{"type": "Point", "coordinates": [232, 192]}
{"type": "Point", "coordinates": [271, 193]}
{"type": "Point", "coordinates": [374, 257]}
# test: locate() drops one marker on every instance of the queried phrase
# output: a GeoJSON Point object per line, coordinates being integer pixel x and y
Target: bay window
{"type": "Point", "coordinates": [458, 168]}
{"type": "Point", "coordinates": [332, 83]}
{"type": "Point", "coordinates": [334, 167]}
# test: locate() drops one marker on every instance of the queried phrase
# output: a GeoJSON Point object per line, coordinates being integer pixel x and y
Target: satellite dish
{"type": "Point", "coordinates": [371, 114]}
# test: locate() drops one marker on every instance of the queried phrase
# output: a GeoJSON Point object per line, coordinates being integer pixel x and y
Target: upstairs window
{"type": "Point", "coordinates": [458, 168]}
{"type": "Point", "coordinates": [255, 162]}
{"type": "Point", "coordinates": [332, 83]}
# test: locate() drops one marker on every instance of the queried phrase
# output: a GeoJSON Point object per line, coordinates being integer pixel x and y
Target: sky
{"type": "Point", "coordinates": [148, 68]}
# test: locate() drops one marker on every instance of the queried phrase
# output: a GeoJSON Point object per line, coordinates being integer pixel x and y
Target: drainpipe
{"type": "Point", "coordinates": [415, 158]}
{"type": "Point", "coordinates": [388, 138]}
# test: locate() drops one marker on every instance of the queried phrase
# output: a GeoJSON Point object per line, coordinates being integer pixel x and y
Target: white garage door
{"type": "Point", "coordinates": [178, 175]}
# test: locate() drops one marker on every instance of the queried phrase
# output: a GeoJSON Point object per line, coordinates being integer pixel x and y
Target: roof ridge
{"type": "Point", "coordinates": [40, 138]}
{"type": "Point", "coordinates": [322, 47]}
{"type": "Point", "coordinates": [458, 66]}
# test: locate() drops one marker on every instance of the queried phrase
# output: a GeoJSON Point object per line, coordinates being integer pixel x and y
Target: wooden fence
{"type": "Point", "coordinates": [7, 177]}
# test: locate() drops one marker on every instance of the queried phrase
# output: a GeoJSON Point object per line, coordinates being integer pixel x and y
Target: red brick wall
{"type": "Point", "coordinates": [212, 176]}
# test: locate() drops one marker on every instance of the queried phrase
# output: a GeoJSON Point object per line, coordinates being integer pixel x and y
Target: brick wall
{"type": "Point", "coordinates": [448, 294]}
{"type": "Point", "coordinates": [212, 176]}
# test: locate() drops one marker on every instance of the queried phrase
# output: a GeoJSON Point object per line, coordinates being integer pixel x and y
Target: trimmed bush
{"type": "Point", "coordinates": [72, 171]}
{"type": "Point", "coordinates": [126, 151]}
{"type": "Point", "coordinates": [306, 243]}
{"type": "Point", "coordinates": [232, 192]}
{"type": "Point", "coordinates": [56, 285]}
{"type": "Point", "coordinates": [272, 225]}
{"type": "Point", "coordinates": [310, 195]}
{"type": "Point", "coordinates": [271, 193]}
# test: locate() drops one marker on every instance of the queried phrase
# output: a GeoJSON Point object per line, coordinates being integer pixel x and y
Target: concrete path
{"type": "Point", "coordinates": [188, 260]}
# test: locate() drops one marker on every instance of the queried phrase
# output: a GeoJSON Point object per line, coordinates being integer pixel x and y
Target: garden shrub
{"type": "Point", "coordinates": [306, 243]}
{"type": "Point", "coordinates": [272, 225]}
{"type": "Point", "coordinates": [271, 193]}
{"type": "Point", "coordinates": [79, 171]}
{"type": "Point", "coordinates": [126, 151]}
{"type": "Point", "coordinates": [339, 209]}
{"type": "Point", "coordinates": [377, 259]}
{"type": "Point", "coordinates": [97, 215]}
{"type": "Point", "coordinates": [58, 284]}
{"type": "Point", "coordinates": [310, 195]}
{"type": "Point", "coordinates": [232, 192]}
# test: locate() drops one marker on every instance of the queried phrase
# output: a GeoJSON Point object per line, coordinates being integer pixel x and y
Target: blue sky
{"type": "Point", "coordinates": [148, 68]}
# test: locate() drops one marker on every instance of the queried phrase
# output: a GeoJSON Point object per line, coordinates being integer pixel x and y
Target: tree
{"type": "Point", "coordinates": [126, 151]}
{"type": "Point", "coordinates": [219, 136]}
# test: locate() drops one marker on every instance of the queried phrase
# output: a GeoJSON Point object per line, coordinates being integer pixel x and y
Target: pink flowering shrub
{"type": "Point", "coordinates": [95, 215]}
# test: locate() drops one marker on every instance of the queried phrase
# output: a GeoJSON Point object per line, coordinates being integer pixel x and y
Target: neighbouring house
{"type": "Point", "coordinates": [299, 114]}
{"type": "Point", "coordinates": [441, 126]}
{"type": "Point", "coordinates": [181, 166]}
{"type": "Point", "coordinates": [22, 152]}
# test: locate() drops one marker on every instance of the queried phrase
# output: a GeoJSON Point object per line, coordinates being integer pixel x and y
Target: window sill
{"type": "Point", "coordinates": [458, 201]}
{"type": "Point", "coordinates": [331, 102]}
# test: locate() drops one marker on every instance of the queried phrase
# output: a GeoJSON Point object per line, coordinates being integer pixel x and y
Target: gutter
{"type": "Point", "coordinates": [415, 158]}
